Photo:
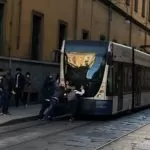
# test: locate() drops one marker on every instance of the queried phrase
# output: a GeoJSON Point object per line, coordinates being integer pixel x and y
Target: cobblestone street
{"type": "Point", "coordinates": [81, 135]}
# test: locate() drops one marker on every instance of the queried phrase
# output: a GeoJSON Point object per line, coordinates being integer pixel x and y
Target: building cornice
{"type": "Point", "coordinates": [124, 14]}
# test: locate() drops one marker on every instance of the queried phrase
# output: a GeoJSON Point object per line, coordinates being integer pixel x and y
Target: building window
{"type": "Point", "coordinates": [136, 5]}
{"type": "Point", "coordinates": [37, 35]}
{"type": "Point", "coordinates": [62, 32]}
{"type": "Point", "coordinates": [143, 8]}
{"type": "Point", "coordinates": [128, 2]}
{"type": "Point", "coordinates": [85, 34]}
{"type": "Point", "coordinates": [102, 37]}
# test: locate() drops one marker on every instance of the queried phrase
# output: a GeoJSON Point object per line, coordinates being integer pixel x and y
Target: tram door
{"type": "Point", "coordinates": [137, 87]}
{"type": "Point", "coordinates": [120, 86]}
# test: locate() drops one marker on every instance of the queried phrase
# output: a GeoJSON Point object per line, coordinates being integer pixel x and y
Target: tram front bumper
{"type": "Point", "coordinates": [96, 107]}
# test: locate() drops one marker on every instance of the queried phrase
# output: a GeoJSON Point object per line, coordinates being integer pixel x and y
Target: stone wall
{"type": "Point", "coordinates": [38, 70]}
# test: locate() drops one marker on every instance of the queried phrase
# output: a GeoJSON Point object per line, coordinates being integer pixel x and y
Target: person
{"type": "Point", "coordinates": [27, 88]}
{"type": "Point", "coordinates": [48, 91]}
{"type": "Point", "coordinates": [1, 93]}
{"type": "Point", "coordinates": [74, 98]}
{"type": "Point", "coordinates": [19, 86]}
{"type": "Point", "coordinates": [8, 88]}
{"type": "Point", "coordinates": [57, 100]}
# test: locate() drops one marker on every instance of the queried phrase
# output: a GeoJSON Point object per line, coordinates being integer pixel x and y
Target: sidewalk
{"type": "Point", "coordinates": [20, 114]}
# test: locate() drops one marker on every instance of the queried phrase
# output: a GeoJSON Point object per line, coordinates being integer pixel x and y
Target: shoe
{"type": "Point", "coordinates": [7, 113]}
{"type": "Point", "coordinates": [71, 119]}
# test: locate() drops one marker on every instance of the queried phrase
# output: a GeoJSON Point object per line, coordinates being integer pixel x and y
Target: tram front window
{"type": "Point", "coordinates": [85, 64]}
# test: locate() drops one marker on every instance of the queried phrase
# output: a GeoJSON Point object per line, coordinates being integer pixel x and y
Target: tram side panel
{"type": "Point", "coordinates": [142, 79]}
{"type": "Point", "coordinates": [122, 78]}
{"type": "Point", "coordinates": [122, 100]}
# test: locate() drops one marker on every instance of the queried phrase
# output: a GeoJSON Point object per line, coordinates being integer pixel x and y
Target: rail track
{"type": "Point", "coordinates": [89, 135]}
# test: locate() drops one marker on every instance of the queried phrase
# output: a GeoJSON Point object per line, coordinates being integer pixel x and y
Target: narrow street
{"type": "Point", "coordinates": [64, 135]}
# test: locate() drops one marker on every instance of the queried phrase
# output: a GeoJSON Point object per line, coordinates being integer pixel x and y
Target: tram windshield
{"type": "Point", "coordinates": [84, 64]}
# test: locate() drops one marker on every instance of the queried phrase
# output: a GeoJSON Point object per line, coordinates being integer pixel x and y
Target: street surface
{"type": "Point", "coordinates": [79, 135]}
{"type": "Point", "coordinates": [138, 140]}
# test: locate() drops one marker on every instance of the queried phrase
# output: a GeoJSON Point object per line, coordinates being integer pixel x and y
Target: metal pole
{"type": "Point", "coordinates": [130, 34]}
{"type": "Point", "coordinates": [76, 20]}
{"type": "Point", "coordinates": [133, 75]}
{"type": "Point", "coordinates": [130, 28]}
{"type": "Point", "coordinates": [109, 21]}
{"type": "Point", "coordinates": [91, 23]}
{"type": "Point", "coordinates": [147, 15]}
{"type": "Point", "coordinates": [10, 35]}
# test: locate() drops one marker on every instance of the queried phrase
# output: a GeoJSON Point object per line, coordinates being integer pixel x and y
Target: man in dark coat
{"type": "Point", "coordinates": [19, 86]}
{"type": "Point", "coordinates": [8, 88]}
{"type": "Point", "coordinates": [48, 91]}
{"type": "Point", "coordinates": [57, 100]}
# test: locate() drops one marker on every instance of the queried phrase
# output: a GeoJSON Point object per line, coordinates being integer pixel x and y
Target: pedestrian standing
{"type": "Point", "coordinates": [19, 85]}
{"type": "Point", "coordinates": [8, 88]}
{"type": "Point", "coordinates": [27, 88]}
{"type": "Point", "coordinates": [1, 93]}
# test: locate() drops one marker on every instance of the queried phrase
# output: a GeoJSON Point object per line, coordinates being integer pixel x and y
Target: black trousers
{"type": "Point", "coordinates": [73, 106]}
{"type": "Point", "coordinates": [5, 107]}
{"type": "Point", "coordinates": [18, 96]}
{"type": "Point", "coordinates": [45, 105]}
{"type": "Point", "coordinates": [25, 98]}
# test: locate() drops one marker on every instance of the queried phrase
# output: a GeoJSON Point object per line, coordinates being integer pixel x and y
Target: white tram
{"type": "Point", "coordinates": [116, 77]}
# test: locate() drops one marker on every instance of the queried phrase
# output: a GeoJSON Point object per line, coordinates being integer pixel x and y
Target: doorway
{"type": "Point", "coordinates": [85, 35]}
{"type": "Point", "coordinates": [62, 33]}
{"type": "Point", "coordinates": [37, 33]}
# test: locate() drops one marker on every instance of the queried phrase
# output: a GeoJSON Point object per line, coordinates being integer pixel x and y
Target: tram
{"type": "Point", "coordinates": [116, 77]}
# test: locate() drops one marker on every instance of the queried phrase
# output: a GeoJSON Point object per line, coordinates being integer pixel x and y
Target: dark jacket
{"type": "Point", "coordinates": [49, 88]}
{"type": "Point", "coordinates": [9, 83]}
{"type": "Point", "coordinates": [59, 94]}
{"type": "Point", "coordinates": [21, 81]}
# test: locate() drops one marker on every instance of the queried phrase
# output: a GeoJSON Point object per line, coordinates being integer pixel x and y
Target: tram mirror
{"type": "Point", "coordinates": [109, 59]}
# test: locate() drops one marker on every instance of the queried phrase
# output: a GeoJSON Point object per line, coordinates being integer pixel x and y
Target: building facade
{"type": "Point", "coordinates": [32, 29]}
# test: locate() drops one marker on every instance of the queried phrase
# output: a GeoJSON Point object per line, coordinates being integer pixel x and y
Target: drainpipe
{"type": "Point", "coordinates": [19, 24]}
{"type": "Point", "coordinates": [130, 28]}
{"type": "Point", "coordinates": [147, 15]}
{"type": "Point", "coordinates": [109, 22]}
{"type": "Point", "coordinates": [10, 33]}
{"type": "Point", "coordinates": [76, 20]}
{"type": "Point", "coordinates": [91, 20]}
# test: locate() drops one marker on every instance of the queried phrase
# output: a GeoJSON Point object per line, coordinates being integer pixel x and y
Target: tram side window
{"type": "Point", "coordinates": [145, 79]}
{"type": "Point", "coordinates": [115, 78]}
{"type": "Point", "coordinates": [110, 82]}
{"type": "Point", "coordinates": [130, 79]}
{"type": "Point", "coordinates": [125, 77]}
{"type": "Point", "coordinates": [148, 79]}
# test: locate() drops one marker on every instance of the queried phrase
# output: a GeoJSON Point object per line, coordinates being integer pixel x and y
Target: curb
{"type": "Point", "coordinates": [19, 120]}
